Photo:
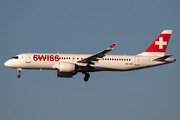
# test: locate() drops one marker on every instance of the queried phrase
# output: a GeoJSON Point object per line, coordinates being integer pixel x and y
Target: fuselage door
{"type": "Point", "coordinates": [28, 58]}
{"type": "Point", "coordinates": [137, 61]}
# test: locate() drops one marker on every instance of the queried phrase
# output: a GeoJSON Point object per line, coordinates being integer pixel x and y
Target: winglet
{"type": "Point", "coordinates": [112, 46]}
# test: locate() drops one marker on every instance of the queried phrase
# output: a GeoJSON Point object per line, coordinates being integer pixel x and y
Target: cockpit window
{"type": "Point", "coordinates": [15, 57]}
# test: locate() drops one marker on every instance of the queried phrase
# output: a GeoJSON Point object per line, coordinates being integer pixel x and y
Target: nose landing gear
{"type": "Point", "coordinates": [19, 75]}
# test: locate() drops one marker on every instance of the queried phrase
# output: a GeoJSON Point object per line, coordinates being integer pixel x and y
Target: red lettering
{"type": "Point", "coordinates": [57, 58]}
{"type": "Point", "coordinates": [35, 58]}
{"type": "Point", "coordinates": [51, 57]}
{"type": "Point", "coordinates": [43, 57]}
{"type": "Point", "coordinates": [39, 57]}
{"type": "Point", "coordinates": [46, 57]}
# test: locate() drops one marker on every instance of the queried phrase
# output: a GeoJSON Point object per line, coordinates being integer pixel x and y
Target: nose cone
{"type": "Point", "coordinates": [8, 64]}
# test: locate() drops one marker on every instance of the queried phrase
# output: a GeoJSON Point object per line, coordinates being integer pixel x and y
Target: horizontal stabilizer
{"type": "Point", "coordinates": [162, 58]}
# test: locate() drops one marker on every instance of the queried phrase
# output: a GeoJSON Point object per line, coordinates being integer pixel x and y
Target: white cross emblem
{"type": "Point", "coordinates": [160, 43]}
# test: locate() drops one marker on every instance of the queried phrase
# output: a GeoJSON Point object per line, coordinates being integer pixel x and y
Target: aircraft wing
{"type": "Point", "coordinates": [162, 58]}
{"type": "Point", "coordinates": [96, 56]}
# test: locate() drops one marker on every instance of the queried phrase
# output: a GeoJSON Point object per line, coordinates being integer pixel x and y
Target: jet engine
{"type": "Point", "coordinates": [67, 69]}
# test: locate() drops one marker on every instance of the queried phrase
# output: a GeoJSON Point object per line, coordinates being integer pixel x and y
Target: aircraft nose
{"type": "Point", "coordinates": [8, 64]}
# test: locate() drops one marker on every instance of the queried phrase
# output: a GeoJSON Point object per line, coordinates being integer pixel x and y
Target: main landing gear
{"type": "Point", "coordinates": [87, 75]}
{"type": "Point", "coordinates": [19, 75]}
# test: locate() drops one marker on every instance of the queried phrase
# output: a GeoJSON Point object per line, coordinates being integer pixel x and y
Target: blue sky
{"type": "Point", "coordinates": [81, 26]}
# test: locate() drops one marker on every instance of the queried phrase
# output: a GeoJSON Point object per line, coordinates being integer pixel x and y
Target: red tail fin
{"type": "Point", "coordinates": [158, 47]}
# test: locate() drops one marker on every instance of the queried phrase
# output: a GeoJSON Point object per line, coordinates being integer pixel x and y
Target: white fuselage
{"type": "Point", "coordinates": [107, 63]}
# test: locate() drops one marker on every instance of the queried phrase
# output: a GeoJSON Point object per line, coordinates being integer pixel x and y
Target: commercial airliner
{"type": "Point", "coordinates": [68, 65]}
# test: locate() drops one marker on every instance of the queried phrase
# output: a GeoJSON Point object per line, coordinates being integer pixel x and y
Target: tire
{"type": "Point", "coordinates": [19, 76]}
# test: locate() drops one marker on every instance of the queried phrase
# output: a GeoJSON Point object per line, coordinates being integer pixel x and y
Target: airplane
{"type": "Point", "coordinates": [68, 65]}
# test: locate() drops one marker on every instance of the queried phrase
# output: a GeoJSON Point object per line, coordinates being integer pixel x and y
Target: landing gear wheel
{"type": "Point", "coordinates": [86, 78]}
{"type": "Point", "coordinates": [18, 76]}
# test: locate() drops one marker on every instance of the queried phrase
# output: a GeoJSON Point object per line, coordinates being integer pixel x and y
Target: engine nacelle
{"type": "Point", "coordinates": [67, 69]}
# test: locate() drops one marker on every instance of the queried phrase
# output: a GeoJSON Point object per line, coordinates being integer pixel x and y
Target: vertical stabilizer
{"type": "Point", "coordinates": [158, 47]}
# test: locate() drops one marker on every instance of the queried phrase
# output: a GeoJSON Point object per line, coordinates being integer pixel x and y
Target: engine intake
{"type": "Point", "coordinates": [67, 69]}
